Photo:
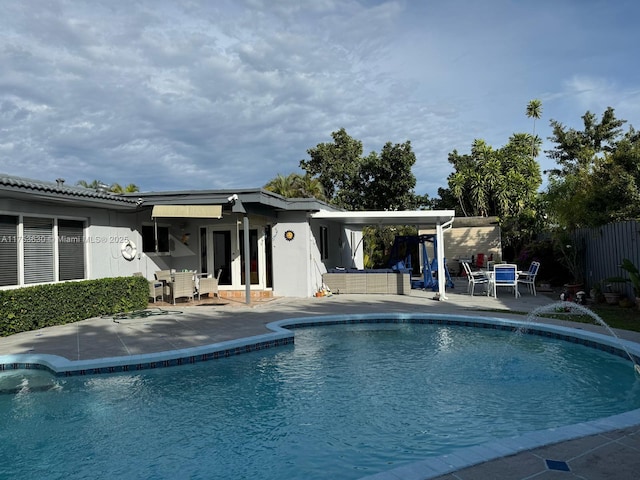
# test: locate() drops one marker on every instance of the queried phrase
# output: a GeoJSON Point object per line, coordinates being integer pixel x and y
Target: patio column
{"type": "Point", "coordinates": [247, 262]}
{"type": "Point", "coordinates": [442, 276]}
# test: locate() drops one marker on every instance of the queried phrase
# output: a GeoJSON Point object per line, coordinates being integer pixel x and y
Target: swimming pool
{"type": "Point", "coordinates": [345, 401]}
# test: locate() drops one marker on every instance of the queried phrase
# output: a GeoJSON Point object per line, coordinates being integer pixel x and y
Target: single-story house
{"type": "Point", "coordinates": [53, 232]}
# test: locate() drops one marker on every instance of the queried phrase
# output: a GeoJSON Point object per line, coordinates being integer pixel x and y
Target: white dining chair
{"type": "Point", "coordinates": [474, 278]}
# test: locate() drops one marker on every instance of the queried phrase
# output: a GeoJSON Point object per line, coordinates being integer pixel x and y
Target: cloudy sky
{"type": "Point", "coordinates": [228, 93]}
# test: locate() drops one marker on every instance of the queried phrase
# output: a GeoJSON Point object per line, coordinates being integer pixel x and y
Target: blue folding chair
{"type": "Point", "coordinates": [505, 275]}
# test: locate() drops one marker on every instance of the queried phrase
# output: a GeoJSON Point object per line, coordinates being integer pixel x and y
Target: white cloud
{"type": "Point", "coordinates": [228, 94]}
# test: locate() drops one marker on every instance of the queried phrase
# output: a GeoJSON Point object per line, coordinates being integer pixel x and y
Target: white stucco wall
{"type": "Point", "coordinates": [297, 263]}
{"type": "Point", "coordinates": [292, 260]}
{"type": "Point", "coordinates": [298, 266]}
{"type": "Point", "coordinates": [104, 233]}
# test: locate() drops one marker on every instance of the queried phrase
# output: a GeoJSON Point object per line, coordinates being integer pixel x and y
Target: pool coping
{"type": "Point", "coordinates": [281, 334]}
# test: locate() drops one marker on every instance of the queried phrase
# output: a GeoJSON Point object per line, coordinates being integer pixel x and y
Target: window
{"type": "Point", "coordinates": [203, 250]}
{"type": "Point", "coordinates": [70, 249]}
{"type": "Point", "coordinates": [38, 250]}
{"type": "Point", "coordinates": [52, 250]}
{"type": "Point", "coordinates": [324, 243]}
{"type": "Point", "coordinates": [8, 250]}
{"type": "Point", "coordinates": [149, 239]}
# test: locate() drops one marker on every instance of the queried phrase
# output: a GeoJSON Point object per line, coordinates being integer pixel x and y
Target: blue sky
{"type": "Point", "coordinates": [220, 95]}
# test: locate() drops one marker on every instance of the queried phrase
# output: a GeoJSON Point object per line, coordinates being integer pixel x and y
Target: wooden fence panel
{"type": "Point", "coordinates": [605, 247]}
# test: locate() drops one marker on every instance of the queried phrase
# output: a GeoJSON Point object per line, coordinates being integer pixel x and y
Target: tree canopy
{"type": "Point", "coordinates": [598, 176]}
{"type": "Point", "coordinates": [488, 182]}
{"type": "Point", "coordinates": [500, 182]}
{"type": "Point", "coordinates": [376, 182]}
{"type": "Point", "coordinates": [580, 150]}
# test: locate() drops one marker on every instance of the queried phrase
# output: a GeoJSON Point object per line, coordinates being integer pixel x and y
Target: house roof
{"type": "Point", "coordinates": [221, 197]}
{"type": "Point", "coordinates": [408, 217]}
{"type": "Point", "coordinates": [248, 200]}
{"type": "Point", "coordinates": [241, 200]}
{"type": "Point", "coordinates": [252, 200]}
{"type": "Point", "coordinates": [58, 192]}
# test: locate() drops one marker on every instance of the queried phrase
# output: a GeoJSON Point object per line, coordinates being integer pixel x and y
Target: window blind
{"type": "Point", "coordinates": [70, 250]}
{"type": "Point", "coordinates": [38, 250]}
{"type": "Point", "coordinates": [8, 250]}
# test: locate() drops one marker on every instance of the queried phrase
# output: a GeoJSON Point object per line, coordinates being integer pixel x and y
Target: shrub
{"type": "Point", "coordinates": [634, 275]}
{"type": "Point", "coordinates": [542, 251]}
{"type": "Point", "coordinates": [31, 308]}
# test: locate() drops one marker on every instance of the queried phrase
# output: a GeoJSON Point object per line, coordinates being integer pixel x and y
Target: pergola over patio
{"type": "Point", "coordinates": [441, 220]}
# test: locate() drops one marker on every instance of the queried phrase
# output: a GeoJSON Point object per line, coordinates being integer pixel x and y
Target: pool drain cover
{"type": "Point", "coordinates": [557, 465]}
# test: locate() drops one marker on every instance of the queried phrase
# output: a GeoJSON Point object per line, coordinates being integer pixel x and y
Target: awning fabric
{"type": "Point", "coordinates": [187, 211]}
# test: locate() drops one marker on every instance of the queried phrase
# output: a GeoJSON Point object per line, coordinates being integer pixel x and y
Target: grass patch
{"type": "Point", "coordinates": [613, 315]}
{"type": "Point", "coordinates": [618, 317]}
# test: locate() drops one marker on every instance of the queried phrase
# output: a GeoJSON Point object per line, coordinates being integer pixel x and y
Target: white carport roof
{"type": "Point", "coordinates": [402, 217]}
{"type": "Point", "coordinates": [441, 219]}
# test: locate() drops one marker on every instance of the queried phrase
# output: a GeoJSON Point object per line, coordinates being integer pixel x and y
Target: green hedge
{"type": "Point", "coordinates": [40, 306]}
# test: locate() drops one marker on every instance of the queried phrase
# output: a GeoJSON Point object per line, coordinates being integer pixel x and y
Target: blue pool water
{"type": "Point", "coordinates": [344, 402]}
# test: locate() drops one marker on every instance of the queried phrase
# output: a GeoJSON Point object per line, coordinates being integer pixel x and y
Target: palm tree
{"type": "Point", "coordinates": [295, 185]}
{"type": "Point", "coordinates": [285, 186]}
{"type": "Point", "coordinates": [117, 188]}
{"type": "Point", "coordinates": [97, 185]}
{"type": "Point", "coordinates": [534, 110]}
{"type": "Point", "coordinates": [310, 187]}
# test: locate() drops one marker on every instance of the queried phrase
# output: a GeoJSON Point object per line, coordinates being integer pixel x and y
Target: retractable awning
{"type": "Point", "coordinates": [187, 211]}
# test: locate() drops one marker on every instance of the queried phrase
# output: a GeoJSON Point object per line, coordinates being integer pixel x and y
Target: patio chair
{"type": "Point", "coordinates": [156, 289]}
{"type": "Point", "coordinates": [183, 285]}
{"type": "Point", "coordinates": [474, 278]}
{"type": "Point", "coordinates": [505, 275]}
{"type": "Point", "coordinates": [529, 277]}
{"type": "Point", "coordinates": [164, 276]}
{"type": "Point", "coordinates": [209, 285]}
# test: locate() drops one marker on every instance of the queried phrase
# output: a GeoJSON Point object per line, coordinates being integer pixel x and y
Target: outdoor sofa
{"type": "Point", "coordinates": [372, 281]}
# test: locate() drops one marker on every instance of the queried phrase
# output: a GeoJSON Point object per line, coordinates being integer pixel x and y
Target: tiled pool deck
{"type": "Point", "coordinates": [605, 449]}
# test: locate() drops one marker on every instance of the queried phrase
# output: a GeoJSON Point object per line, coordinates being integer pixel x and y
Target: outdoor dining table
{"type": "Point", "coordinates": [196, 278]}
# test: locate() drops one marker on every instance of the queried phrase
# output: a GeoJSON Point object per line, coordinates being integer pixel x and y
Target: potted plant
{"type": "Point", "coordinates": [571, 258]}
{"type": "Point", "coordinates": [634, 277]}
{"type": "Point", "coordinates": [570, 255]}
{"type": "Point", "coordinates": [596, 293]}
{"type": "Point", "coordinates": [611, 290]}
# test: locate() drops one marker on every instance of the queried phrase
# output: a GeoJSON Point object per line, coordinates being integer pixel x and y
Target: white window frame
{"type": "Point", "coordinates": [55, 252]}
